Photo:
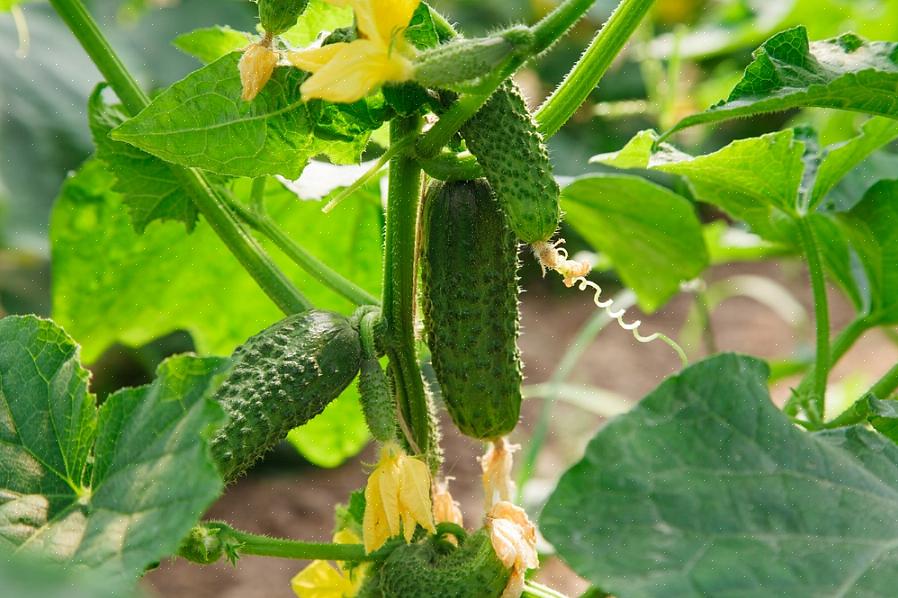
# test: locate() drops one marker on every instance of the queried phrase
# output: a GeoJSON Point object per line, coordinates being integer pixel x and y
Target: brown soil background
{"type": "Point", "coordinates": [297, 500]}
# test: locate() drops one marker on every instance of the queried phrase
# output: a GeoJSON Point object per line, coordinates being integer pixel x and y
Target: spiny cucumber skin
{"type": "Point", "coordinates": [424, 571]}
{"type": "Point", "coordinates": [377, 401]}
{"type": "Point", "coordinates": [470, 304]}
{"type": "Point", "coordinates": [282, 378]}
{"type": "Point", "coordinates": [506, 142]}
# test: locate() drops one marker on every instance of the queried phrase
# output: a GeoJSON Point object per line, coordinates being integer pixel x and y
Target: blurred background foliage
{"type": "Point", "coordinates": [686, 57]}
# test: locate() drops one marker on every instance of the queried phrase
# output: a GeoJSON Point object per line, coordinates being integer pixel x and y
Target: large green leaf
{"type": "Point", "coordinates": [707, 489]}
{"type": "Point", "coordinates": [148, 186]}
{"type": "Point", "coordinates": [201, 121]}
{"type": "Point", "coordinates": [790, 72]}
{"type": "Point", "coordinates": [113, 489]}
{"type": "Point", "coordinates": [651, 234]}
{"type": "Point", "coordinates": [112, 285]}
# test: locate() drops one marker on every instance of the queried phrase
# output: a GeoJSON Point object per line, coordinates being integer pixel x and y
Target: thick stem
{"type": "Point", "coordinates": [406, 181]}
{"type": "Point", "coordinates": [586, 74]}
{"type": "Point", "coordinates": [545, 33]}
{"type": "Point", "coordinates": [247, 251]}
{"type": "Point", "coordinates": [821, 314]}
{"type": "Point", "coordinates": [302, 258]}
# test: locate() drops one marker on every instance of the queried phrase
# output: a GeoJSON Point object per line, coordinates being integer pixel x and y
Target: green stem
{"type": "Point", "coordinates": [301, 257]}
{"type": "Point", "coordinates": [257, 195]}
{"type": "Point", "coordinates": [289, 549]}
{"type": "Point", "coordinates": [545, 33]}
{"type": "Point", "coordinates": [586, 74]}
{"type": "Point", "coordinates": [839, 347]}
{"type": "Point", "coordinates": [704, 314]}
{"type": "Point", "coordinates": [821, 315]}
{"type": "Point", "coordinates": [887, 384]}
{"type": "Point", "coordinates": [247, 251]}
{"type": "Point", "coordinates": [406, 181]}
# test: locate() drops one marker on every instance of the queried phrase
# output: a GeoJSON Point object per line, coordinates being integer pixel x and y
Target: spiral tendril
{"type": "Point", "coordinates": [633, 327]}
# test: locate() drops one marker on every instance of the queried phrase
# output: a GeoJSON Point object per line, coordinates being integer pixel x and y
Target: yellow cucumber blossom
{"type": "Point", "coordinates": [256, 67]}
{"type": "Point", "coordinates": [397, 498]}
{"type": "Point", "coordinates": [513, 537]}
{"type": "Point", "coordinates": [346, 72]}
{"type": "Point", "coordinates": [323, 580]}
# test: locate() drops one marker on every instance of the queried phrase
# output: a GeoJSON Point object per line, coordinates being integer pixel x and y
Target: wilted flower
{"type": "Point", "coordinates": [497, 463]}
{"type": "Point", "coordinates": [513, 537]}
{"type": "Point", "coordinates": [256, 67]}
{"type": "Point", "coordinates": [445, 509]}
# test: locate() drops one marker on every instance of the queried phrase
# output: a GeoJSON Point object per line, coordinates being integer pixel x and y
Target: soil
{"type": "Point", "coordinates": [289, 498]}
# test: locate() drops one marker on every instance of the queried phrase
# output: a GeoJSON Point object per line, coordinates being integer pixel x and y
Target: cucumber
{"type": "Point", "coordinates": [470, 303]}
{"type": "Point", "coordinates": [435, 569]}
{"type": "Point", "coordinates": [506, 142]}
{"type": "Point", "coordinates": [282, 378]}
{"type": "Point", "coordinates": [277, 16]}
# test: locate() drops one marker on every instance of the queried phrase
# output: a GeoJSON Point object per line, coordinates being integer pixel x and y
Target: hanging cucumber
{"type": "Point", "coordinates": [282, 378]}
{"type": "Point", "coordinates": [506, 142]}
{"type": "Point", "coordinates": [470, 302]}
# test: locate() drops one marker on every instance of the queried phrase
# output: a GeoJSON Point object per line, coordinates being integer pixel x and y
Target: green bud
{"type": "Point", "coordinates": [278, 16]}
{"type": "Point", "coordinates": [465, 60]}
{"type": "Point", "coordinates": [207, 543]}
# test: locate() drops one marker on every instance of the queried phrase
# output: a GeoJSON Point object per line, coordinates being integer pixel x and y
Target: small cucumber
{"type": "Point", "coordinates": [282, 378]}
{"type": "Point", "coordinates": [277, 16]}
{"type": "Point", "coordinates": [434, 569]}
{"type": "Point", "coordinates": [505, 140]}
{"type": "Point", "coordinates": [470, 303]}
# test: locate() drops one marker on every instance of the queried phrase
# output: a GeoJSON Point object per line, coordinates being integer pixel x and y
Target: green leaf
{"type": "Point", "coordinates": [113, 489]}
{"type": "Point", "coordinates": [112, 285]}
{"type": "Point", "coordinates": [201, 121]}
{"type": "Point", "coordinates": [24, 576]}
{"type": "Point", "coordinates": [211, 43]}
{"type": "Point", "coordinates": [754, 180]}
{"type": "Point", "coordinates": [337, 434]}
{"type": "Point", "coordinates": [319, 16]}
{"type": "Point", "coordinates": [707, 489]}
{"type": "Point", "coordinates": [838, 160]}
{"type": "Point", "coordinates": [149, 188]}
{"type": "Point", "coordinates": [788, 71]}
{"type": "Point", "coordinates": [651, 234]}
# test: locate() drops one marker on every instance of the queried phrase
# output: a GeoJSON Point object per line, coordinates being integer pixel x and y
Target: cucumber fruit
{"type": "Point", "coordinates": [506, 142]}
{"type": "Point", "coordinates": [470, 303]}
{"type": "Point", "coordinates": [281, 378]}
{"type": "Point", "coordinates": [434, 569]}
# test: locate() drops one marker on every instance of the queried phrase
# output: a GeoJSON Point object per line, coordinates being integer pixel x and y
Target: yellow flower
{"type": "Point", "coordinates": [397, 498]}
{"type": "Point", "coordinates": [322, 580]}
{"type": "Point", "coordinates": [347, 72]}
{"type": "Point", "coordinates": [513, 537]}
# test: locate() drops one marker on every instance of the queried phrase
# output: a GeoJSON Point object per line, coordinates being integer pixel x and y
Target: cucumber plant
{"type": "Point", "coordinates": [705, 488]}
